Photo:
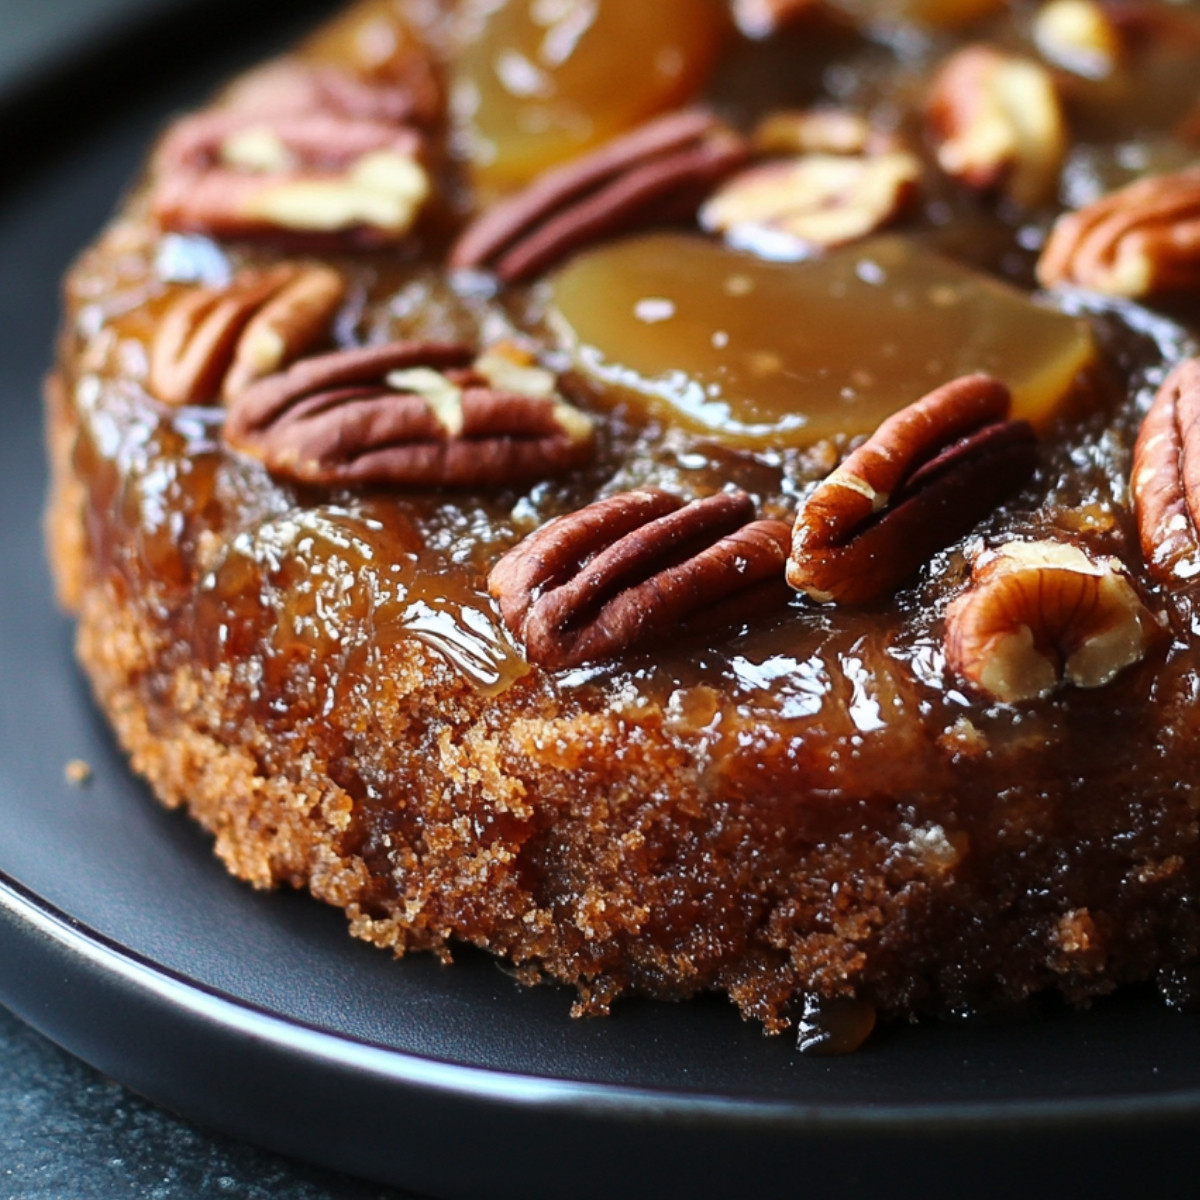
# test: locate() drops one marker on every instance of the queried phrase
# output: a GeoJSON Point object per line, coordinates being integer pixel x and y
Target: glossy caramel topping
{"type": "Point", "coordinates": [319, 581]}
{"type": "Point", "coordinates": [375, 39]}
{"type": "Point", "coordinates": [766, 354]}
{"type": "Point", "coordinates": [539, 81]}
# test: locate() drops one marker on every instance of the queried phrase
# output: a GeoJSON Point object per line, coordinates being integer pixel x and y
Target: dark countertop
{"type": "Point", "coordinates": [68, 1132]}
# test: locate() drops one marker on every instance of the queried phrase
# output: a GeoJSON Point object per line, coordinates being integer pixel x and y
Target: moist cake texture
{"type": "Point", "coordinates": [687, 497]}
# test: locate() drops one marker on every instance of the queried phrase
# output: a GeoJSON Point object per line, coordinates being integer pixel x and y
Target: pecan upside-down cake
{"type": "Point", "coordinates": [686, 496]}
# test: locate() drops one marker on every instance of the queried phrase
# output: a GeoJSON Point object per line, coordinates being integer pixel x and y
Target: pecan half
{"type": "Point", "coordinates": [661, 170]}
{"type": "Point", "coordinates": [1165, 480]}
{"type": "Point", "coordinates": [235, 174]}
{"type": "Point", "coordinates": [290, 85]}
{"type": "Point", "coordinates": [1141, 240]}
{"type": "Point", "coordinates": [921, 480]}
{"type": "Point", "coordinates": [816, 200]}
{"type": "Point", "coordinates": [820, 131]}
{"type": "Point", "coordinates": [215, 341]}
{"type": "Point", "coordinates": [1037, 615]}
{"type": "Point", "coordinates": [1078, 36]}
{"type": "Point", "coordinates": [997, 124]}
{"type": "Point", "coordinates": [635, 567]}
{"type": "Point", "coordinates": [408, 414]}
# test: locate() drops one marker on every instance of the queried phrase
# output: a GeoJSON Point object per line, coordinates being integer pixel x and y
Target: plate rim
{"type": "Point", "coordinates": [237, 1018]}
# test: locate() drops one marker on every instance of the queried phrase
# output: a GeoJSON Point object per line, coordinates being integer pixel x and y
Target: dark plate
{"type": "Point", "coordinates": [123, 939]}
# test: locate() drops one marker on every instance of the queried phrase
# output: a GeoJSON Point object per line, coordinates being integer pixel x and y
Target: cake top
{"type": "Point", "coordinates": [873, 298]}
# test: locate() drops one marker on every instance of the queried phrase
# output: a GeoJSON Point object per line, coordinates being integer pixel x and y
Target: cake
{"type": "Point", "coordinates": [687, 497]}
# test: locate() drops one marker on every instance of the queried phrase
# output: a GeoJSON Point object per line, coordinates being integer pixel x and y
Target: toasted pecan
{"type": "Point", "coordinates": [1038, 615]}
{"type": "Point", "coordinates": [634, 567]}
{"type": "Point", "coordinates": [1141, 240]}
{"type": "Point", "coordinates": [819, 200]}
{"type": "Point", "coordinates": [659, 169]}
{"type": "Point", "coordinates": [922, 479]}
{"type": "Point", "coordinates": [1165, 479]}
{"type": "Point", "coordinates": [997, 124]}
{"type": "Point", "coordinates": [310, 174]}
{"type": "Point", "coordinates": [407, 414]}
{"type": "Point", "coordinates": [215, 341]}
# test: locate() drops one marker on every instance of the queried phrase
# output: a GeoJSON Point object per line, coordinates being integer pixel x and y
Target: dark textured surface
{"type": "Point", "coordinates": [68, 1132]}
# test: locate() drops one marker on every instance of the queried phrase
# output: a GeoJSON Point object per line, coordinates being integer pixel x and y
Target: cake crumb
{"type": "Point", "coordinates": [78, 772]}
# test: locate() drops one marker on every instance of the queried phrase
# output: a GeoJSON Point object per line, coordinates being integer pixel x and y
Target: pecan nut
{"type": "Point", "coordinates": [1079, 36]}
{"type": "Point", "coordinates": [815, 200]}
{"type": "Point", "coordinates": [289, 85]}
{"type": "Point", "coordinates": [662, 170]}
{"type": "Point", "coordinates": [408, 414]}
{"type": "Point", "coordinates": [1165, 480]}
{"type": "Point", "coordinates": [215, 341]}
{"type": "Point", "coordinates": [997, 124]}
{"type": "Point", "coordinates": [637, 566]}
{"type": "Point", "coordinates": [318, 174]}
{"type": "Point", "coordinates": [1141, 240]}
{"type": "Point", "coordinates": [1038, 615]}
{"type": "Point", "coordinates": [922, 479]}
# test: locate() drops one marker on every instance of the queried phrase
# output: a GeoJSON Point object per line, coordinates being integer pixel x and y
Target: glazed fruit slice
{"type": "Point", "coordinates": [535, 81]}
{"type": "Point", "coordinates": [766, 354]}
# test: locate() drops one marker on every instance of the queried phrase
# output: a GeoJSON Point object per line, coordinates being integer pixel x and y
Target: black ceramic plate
{"type": "Point", "coordinates": [123, 939]}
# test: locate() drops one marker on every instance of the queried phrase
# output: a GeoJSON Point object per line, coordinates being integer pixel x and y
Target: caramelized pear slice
{"type": "Point", "coordinates": [767, 354]}
{"type": "Point", "coordinates": [538, 82]}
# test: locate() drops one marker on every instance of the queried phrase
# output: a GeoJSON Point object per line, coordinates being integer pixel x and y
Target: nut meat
{"type": "Point", "coordinates": [998, 125]}
{"type": "Point", "coordinates": [662, 170]}
{"type": "Point", "coordinates": [1038, 615]}
{"type": "Point", "coordinates": [216, 341]}
{"type": "Point", "coordinates": [1141, 240]}
{"type": "Point", "coordinates": [408, 414]}
{"type": "Point", "coordinates": [316, 174]}
{"type": "Point", "coordinates": [634, 567]}
{"type": "Point", "coordinates": [1165, 480]}
{"type": "Point", "coordinates": [924, 477]}
{"type": "Point", "coordinates": [818, 200]}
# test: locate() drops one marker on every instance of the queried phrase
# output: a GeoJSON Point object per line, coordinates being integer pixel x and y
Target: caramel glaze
{"type": "Point", "coordinates": [811, 806]}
